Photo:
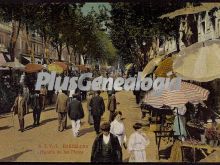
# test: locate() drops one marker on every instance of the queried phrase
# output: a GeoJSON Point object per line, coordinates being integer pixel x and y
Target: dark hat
{"type": "Point", "coordinates": [98, 92]}
{"type": "Point", "coordinates": [137, 126]}
{"type": "Point", "coordinates": [105, 126]}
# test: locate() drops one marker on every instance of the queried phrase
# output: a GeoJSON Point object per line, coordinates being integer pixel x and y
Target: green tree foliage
{"type": "Point", "coordinates": [135, 23]}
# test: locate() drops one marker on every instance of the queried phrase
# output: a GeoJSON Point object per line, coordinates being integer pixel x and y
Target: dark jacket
{"type": "Point", "coordinates": [116, 153]}
{"type": "Point", "coordinates": [75, 109]}
{"type": "Point", "coordinates": [97, 106]}
{"type": "Point", "coordinates": [112, 103]}
{"type": "Point", "coordinates": [35, 102]}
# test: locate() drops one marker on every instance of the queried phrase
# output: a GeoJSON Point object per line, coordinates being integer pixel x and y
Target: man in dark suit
{"type": "Point", "coordinates": [106, 147]}
{"type": "Point", "coordinates": [75, 113]}
{"type": "Point", "coordinates": [37, 106]}
{"type": "Point", "coordinates": [97, 109]}
{"type": "Point", "coordinates": [112, 106]}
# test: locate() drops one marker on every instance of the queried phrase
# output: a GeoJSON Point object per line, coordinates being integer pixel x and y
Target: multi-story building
{"type": "Point", "coordinates": [23, 50]}
{"type": "Point", "coordinates": [208, 27]}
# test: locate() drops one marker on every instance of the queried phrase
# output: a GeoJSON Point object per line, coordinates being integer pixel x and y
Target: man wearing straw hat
{"type": "Point", "coordinates": [19, 108]}
{"type": "Point", "coordinates": [61, 109]}
{"type": "Point", "coordinates": [106, 147]}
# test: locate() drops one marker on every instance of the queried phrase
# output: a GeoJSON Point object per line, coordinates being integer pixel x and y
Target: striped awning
{"type": "Point", "coordinates": [176, 98]}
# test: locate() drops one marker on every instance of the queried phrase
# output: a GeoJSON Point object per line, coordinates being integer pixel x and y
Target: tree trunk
{"type": "Point", "coordinates": [30, 49]}
{"type": "Point", "coordinates": [68, 50]}
{"type": "Point", "coordinates": [59, 51]}
{"type": "Point", "coordinates": [79, 58]}
{"type": "Point", "coordinates": [14, 36]}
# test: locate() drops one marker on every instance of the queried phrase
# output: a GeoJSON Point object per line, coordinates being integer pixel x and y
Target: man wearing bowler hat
{"type": "Point", "coordinates": [106, 147]}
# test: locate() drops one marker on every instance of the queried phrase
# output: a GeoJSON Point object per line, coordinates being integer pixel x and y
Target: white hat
{"type": "Point", "coordinates": [71, 93]}
{"type": "Point", "coordinates": [60, 91]}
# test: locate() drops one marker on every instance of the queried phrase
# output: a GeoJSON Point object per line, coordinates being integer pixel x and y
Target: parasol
{"type": "Point", "coordinates": [191, 10]}
{"type": "Point", "coordinates": [128, 66]}
{"type": "Point", "coordinates": [55, 68]}
{"type": "Point", "coordinates": [82, 67]}
{"type": "Point", "coordinates": [176, 98]}
{"type": "Point", "coordinates": [14, 65]}
{"type": "Point", "coordinates": [151, 66]}
{"type": "Point", "coordinates": [164, 67]}
{"type": "Point", "coordinates": [32, 68]}
{"type": "Point", "coordinates": [199, 62]}
{"type": "Point", "coordinates": [62, 64]}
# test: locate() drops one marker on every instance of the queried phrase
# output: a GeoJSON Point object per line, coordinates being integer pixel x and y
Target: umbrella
{"type": "Point", "coordinates": [199, 62]}
{"type": "Point", "coordinates": [164, 67]}
{"type": "Point", "coordinates": [14, 65]}
{"type": "Point", "coordinates": [55, 68]}
{"type": "Point", "coordinates": [128, 66]}
{"type": "Point", "coordinates": [62, 64]}
{"type": "Point", "coordinates": [175, 98]}
{"type": "Point", "coordinates": [32, 68]}
{"type": "Point", "coordinates": [191, 10]}
{"type": "Point", "coordinates": [150, 66]}
{"type": "Point", "coordinates": [82, 67]}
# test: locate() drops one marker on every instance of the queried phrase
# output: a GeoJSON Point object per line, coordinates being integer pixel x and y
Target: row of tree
{"type": "Point", "coordinates": [136, 28]}
{"type": "Point", "coordinates": [61, 25]}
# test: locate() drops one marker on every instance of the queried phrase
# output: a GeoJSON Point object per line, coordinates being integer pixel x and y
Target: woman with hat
{"type": "Point", "coordinates": [137, 144]}
{"type": "Point", "coordinates": [106, 147]}
{"type": "Point", "coordinates": [118, 128]}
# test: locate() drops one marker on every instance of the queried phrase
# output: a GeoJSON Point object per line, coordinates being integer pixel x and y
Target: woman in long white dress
{"type": "Point", "coordinates": [118, 128]}
{"type": "Point", "coordinates": [137, 144]}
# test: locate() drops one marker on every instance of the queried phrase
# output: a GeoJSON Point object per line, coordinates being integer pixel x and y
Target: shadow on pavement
{"type": "Point", "coordinates": [14, 157]}
{"type": "Point", "coordinates": [48, 120]}
{"type": "Point", "coordinates": [86, 130]}
{"type": "Point", "coordinates": [5, 127]}
{"type": "Point", "coordinates": [41, 123]}
{"type": "Point", "coordinates": [49, 109]}
{"type": "Point", "coordinates": [29, 127]}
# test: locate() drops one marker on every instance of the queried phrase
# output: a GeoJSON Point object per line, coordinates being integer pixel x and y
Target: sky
{"type": "Point", "coordinates": [88, 6]}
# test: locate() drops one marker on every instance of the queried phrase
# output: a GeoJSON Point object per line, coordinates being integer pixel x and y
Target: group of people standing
{"type": "Point", "coordinates": [21, 105]}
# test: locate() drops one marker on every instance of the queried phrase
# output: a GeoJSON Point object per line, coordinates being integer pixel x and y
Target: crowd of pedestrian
{"type": "Point", "coordinates": [111, 135]}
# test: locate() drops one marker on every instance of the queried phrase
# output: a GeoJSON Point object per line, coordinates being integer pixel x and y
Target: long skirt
{"type": "Point", "coordinates": [138, 156]}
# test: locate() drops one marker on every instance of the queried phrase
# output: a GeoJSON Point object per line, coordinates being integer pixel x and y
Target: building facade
{"type": "Point", "coordinates": [23, 51]}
